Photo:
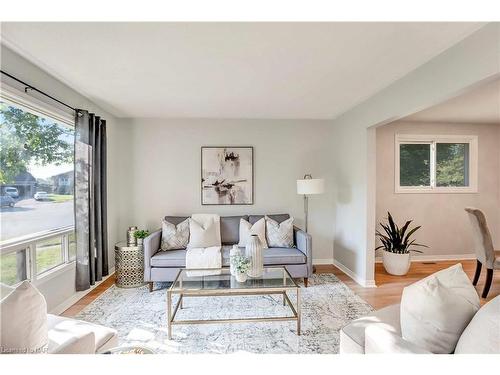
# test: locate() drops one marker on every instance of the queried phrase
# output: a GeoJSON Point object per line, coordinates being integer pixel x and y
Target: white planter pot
{"type": "Point", "coordinates": [241, 277]}
{"type": "Point", "coordinates": [396, 264]}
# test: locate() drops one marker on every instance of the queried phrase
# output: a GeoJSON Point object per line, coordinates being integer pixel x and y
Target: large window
{"type": "Point", "coordinates": [36, 190]}
{"type": "Point", "coordinates": [436, 164]}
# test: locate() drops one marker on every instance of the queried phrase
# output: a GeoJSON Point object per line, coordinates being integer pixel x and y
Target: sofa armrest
{"type": "Point", "coordinates": [151, 247]}
{"type": "Point", "coordinates": [379, 339]}
{"type": "Point", "coordinates": [303, 241]}
{"type": "Point", "coordinates": [78, 343]}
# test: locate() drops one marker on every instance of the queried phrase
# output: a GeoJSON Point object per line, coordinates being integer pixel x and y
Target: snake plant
{"type": "Point", "coordinates": [397, 240]}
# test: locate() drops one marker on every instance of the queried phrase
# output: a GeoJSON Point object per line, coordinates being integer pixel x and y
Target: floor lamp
{"type": "Point", "coordinates": [309, 186]}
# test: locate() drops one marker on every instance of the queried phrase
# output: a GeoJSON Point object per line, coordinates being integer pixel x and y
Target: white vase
{"type": "Point", "coordinates": [253, 251]}
{"type": "Point", "coordinates": [241, 277]}
{"type": "Point", "coordinates": [396, 264]}
{"type": "Point", "coordinates": [235, 251]}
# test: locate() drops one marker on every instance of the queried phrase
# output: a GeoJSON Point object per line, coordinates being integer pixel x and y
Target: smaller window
{"type": "Point", "coordinates": [49, 254]}
{"type": "Point", "coordinates": [436, 164]}
{"type": "Point", "coordinates": [71, 247]}
{"type": "Point", "coordinates": [13, 267]}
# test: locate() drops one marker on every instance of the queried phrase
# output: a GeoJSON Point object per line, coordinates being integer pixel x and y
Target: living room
{"type": "Point", "coordinates": [319, 187]}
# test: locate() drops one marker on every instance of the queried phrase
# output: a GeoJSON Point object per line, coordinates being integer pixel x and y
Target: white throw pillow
{"type": "Point", "coordinates": [174, 236]}
{"type": "Point", "coordinates": [23, 315]}
{"type": "Point", "coordinates": [482, 335]}
{"type": "Point", "coordinates": [200, 236]}
{"type": "Point", "coordinates": [436, 310]}
{"type": "Point", "coordinates": [247, 229]}
{"type": "Point", "coordinates": [279, 234]}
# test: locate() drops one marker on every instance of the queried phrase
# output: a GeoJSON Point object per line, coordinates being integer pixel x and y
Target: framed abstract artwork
{"type": "Point", "coordinates": [226, 175]}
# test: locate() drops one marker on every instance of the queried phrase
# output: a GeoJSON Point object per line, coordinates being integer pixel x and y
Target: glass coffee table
{"type": "Point", "coordinates": [220, 282]}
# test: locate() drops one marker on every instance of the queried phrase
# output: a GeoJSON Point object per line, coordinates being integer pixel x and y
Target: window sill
{"type": "Point", "coordinates": [56, 271]}
{"type": "Point", "coordinates": [456, 190]}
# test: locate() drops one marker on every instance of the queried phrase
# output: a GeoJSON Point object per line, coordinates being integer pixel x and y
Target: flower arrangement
{"type": "Point", "coordinates": [242, 265]}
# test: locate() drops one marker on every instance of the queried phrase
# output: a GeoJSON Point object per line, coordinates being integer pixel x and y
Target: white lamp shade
{"type": "Point", "coordinates": [310, 186]}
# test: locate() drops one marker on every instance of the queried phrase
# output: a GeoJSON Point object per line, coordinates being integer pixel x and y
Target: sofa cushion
{"type": "Point", "coordinates": [63, 330]}
{"type": "Point", "coordinates": [272, 257]}
{"type": "Point", "coordinates": [23, 321]}
{"type": "Point", "coordinates": [426, 307]}
{"type": "Point", "coordinates": [203, 234]}
{"type": "Point", "coordinates": [230, 229]}
{"type": "Point", "coordinates": [176, 219]}
{"type": "Point", "coordinates": [482, 335]}
{"type": "Point", "coordinates": [352, 336]}
{"type": "Point", "coordinates": [172, 258]}
{"type": "Point", "coordinates": [252, 219]}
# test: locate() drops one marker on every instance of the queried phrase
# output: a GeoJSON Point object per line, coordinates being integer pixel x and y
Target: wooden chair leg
{"type": "Point", "coordinates": [489, 279]}
{"type": "Point", "coordinates": [477, 274]}
{"type": "Point", "coordinates": [150, 286]}
{"type": "Point", "coordinates": [305, 281]}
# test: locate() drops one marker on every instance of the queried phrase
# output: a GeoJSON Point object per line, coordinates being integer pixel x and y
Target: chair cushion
{"type": "Point", "coordinates": [62, 330]}
{"type": "Point", "coordinates": [482, 335]}
{"type": "Point", "coordinates": [252, 219]}
{"type": "Point", "coordinates": [352, 336]}
{"type": "Point", "coordinates": [272, 257]}
{"type": "Point", "coordinates": [230, 229]}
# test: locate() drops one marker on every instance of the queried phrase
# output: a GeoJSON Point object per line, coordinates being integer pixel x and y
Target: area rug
{"type": "Point", "coordinates": [140, 318]}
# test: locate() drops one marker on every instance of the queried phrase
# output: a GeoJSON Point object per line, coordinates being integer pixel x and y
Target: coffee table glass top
{"type": "Point", "coordinates": [273, 277]}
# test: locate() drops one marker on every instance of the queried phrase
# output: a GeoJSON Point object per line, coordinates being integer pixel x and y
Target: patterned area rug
{"type": "Point", "coordinates": [140, 318]}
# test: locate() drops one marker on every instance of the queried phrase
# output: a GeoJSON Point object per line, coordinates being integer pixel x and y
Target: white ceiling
{"type": "Point", "coordinates": [231, 70]}
{"type": "Point", "coordinates": [479, 105]}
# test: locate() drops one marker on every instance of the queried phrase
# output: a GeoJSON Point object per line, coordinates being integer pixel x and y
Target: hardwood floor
{"type": "Point", "coordinates": [388, 291]}
{"type": "Point", "coordinates": [389, 288]}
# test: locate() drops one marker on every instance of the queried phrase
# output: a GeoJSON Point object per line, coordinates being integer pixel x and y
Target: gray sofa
{"type": "Point", "coordinates": [161, 266]}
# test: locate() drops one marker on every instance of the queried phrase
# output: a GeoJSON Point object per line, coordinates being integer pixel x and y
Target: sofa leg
{"type": "Point", "coordinates": [150, 286]}
{"type": "Point", "coordinates": [477, 274]}
{"type": "Point", "coordinates": [489, 279]}
{"type": "Point", "coordinates": [305, 281]}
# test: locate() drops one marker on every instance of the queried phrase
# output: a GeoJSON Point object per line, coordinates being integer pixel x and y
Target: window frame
{"type": "Point", "coordinates": [28, 242]}
{"type": "Point", "coordinates": [433, 140]}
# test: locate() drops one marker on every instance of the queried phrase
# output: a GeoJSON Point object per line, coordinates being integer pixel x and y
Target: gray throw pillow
{"type": "Point", "coordinates": [174, 237]}
{"type": "Point", "coordinates": [279, 234]}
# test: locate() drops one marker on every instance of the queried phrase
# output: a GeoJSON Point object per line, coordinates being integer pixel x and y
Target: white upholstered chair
{"type": "Point", "coordinates": [483, 247]}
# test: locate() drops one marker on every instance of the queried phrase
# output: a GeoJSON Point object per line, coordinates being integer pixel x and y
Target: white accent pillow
{"type": "Point", "coordinates": [202, 236]}
{"type": "Point", "coordinates": [247, 229]}
{"type": "Point", "coordinates": [279, 234]}
{"type": "Point", "coordinates": [174, 236]}
{"type": "Point", "coordinates": [436, 310]}
{"type": "Point", "coordinates": [23, 321]}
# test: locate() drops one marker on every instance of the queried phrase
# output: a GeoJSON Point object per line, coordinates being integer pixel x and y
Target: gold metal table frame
{"type": "Point", "coordinates": [248, 291]}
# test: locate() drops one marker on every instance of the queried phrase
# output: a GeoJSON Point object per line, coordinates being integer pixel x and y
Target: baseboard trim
{"type": "Point", "coordinates": [322, 261]}
{"type": "Point", "coordinates": [78, 295]}
{"type": "Point", "coordinates": [436, 258]}
{"type": "Point", "coordinates": [363, 282]}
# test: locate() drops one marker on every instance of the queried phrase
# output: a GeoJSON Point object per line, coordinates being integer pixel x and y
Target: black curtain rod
{"type": "Point", "coordinates": [28, 86]}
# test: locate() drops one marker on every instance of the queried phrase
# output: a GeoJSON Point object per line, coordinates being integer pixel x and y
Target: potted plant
{"type": "Point", "coordinates": [397, 245]}
{"type": "Point", "coordinates": [140, 235]}
{"type": "Point", "coordinates": [241, 265]}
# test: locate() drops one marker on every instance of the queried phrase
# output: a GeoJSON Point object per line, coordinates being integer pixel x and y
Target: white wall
{"type": "Point", "coordinates": [59, 289]}
{"type": "Point", "coordinates": [166, 169]}
{"type": "Point", "coordinates": [469, 62]}
{"type": "Point", "coordinates": [445, 225]}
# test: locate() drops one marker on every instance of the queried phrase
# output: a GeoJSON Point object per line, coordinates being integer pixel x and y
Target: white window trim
{"type": "Point", "coordinates": [432, 140]}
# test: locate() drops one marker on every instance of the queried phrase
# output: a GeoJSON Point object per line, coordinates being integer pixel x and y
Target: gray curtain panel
{"type": "Point", "coordinates": [90, 199]}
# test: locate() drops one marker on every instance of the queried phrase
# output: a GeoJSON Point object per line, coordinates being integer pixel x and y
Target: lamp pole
{"type": "Point", "coordinates": [306, 201]}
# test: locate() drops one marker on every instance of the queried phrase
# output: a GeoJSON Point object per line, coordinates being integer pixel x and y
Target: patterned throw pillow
{"type": "Point", "coordinates": [174, 236]}
{"type": "Point", "coordinates": [279, 234]}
